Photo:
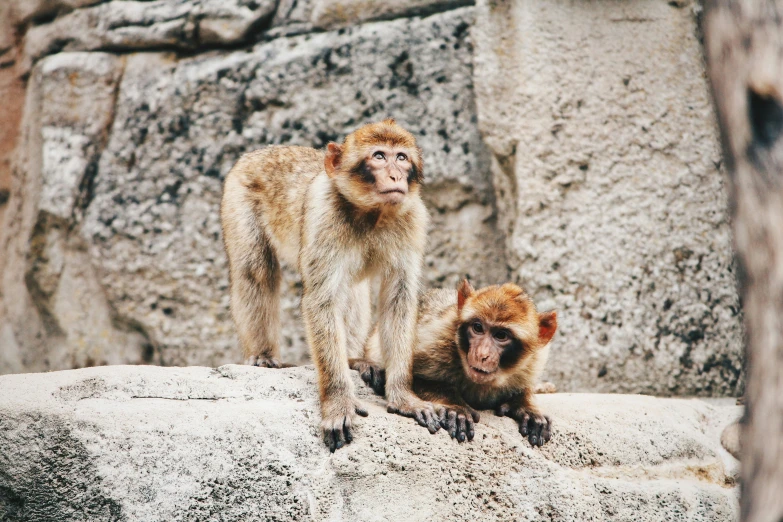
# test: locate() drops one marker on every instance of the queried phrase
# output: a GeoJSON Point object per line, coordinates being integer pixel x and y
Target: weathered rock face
{"type": "Point", "coordinates": [607, 173]}
{"type": "Point", "coordinates": [240, 443]}
{"type": "Point", "coordinates": [557, 154]}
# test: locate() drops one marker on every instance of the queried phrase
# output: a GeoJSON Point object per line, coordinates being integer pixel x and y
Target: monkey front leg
{"type": "Point", "coordinates": [533, 424]}
{"type": "Point", "coordinates": [326, 336]}
{"type": "Point", "coordinates": [397, 321]}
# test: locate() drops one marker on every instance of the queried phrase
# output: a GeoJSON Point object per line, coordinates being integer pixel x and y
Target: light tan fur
{"type": "Point", "coordinates": [325, 213]}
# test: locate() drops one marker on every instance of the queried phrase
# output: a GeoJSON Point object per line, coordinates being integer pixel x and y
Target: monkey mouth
{"type": "Point", "coordinates": [393, 196]}
{"type": "Point", "coordinates": [480, 375]}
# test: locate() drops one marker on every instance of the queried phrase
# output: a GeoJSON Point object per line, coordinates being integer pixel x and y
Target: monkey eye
{"type": "Point", "coordinates": [501, 335]}
{"type": "Point", "coordinates": [401, 157]}
{"type": "Point", "coordinates": [379, 155]}
{"type": "Point", "coordinates": [478, 327]}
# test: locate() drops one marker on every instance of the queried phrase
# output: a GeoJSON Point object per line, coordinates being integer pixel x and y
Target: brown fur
{"type": "Point", "coordinates": [309, 209]}
{"type": "Point", "coordinates": [440, 356]}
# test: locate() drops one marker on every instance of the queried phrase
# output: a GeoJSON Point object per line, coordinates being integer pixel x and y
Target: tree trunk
{"type": "Point", "coordinates": [744, 46]}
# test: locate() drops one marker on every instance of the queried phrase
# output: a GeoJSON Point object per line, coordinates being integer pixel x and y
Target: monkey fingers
{"type": "Point", "coordinates": [459, 424]}
{"type": "Point", "coordinates": [423, 412]}
{"type": "Point", "coordinates": [536, 427]}
{"type": "Point", "coordinates": [337, 430]}
{"type": "Point", "coordinates": [373, 375]}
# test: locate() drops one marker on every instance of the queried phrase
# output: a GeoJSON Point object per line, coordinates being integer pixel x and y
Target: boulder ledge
{"type": "Point", "coordinates": [242, 443]}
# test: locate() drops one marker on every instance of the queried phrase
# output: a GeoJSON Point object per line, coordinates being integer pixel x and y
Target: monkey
{"type": "Point", "coordinates": [477, 350]}
{"type": "Point", "coordinates": [342, 216]}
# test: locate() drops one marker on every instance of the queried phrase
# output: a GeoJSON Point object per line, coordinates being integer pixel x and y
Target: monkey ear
{"type": "Point", "coordinates": [333, 158]}
{"type": "Point", "coordinates": [547, 325]}
{"type": "Point", "coordinates": [464, 291]}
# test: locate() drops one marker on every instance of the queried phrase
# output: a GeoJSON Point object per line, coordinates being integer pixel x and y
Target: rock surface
{"type": "Point", "coordinates": [241, 443]}
{"type": "Point", "coordinates": [568, 147]}
{"type": "Point", "coordinates": [600, 123]}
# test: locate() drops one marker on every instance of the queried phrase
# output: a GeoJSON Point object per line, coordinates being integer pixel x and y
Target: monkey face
{"type": "Point", "coordinates": [499, 329]}
{"type": "Point", "coordinates": [388, 169]}
{"type": "Point", "coordinates": [377, 166]}
{"type": "Point", "coordinates": [484, 346]}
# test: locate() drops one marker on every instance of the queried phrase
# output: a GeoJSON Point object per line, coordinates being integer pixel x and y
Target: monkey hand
{"type": "Point", "coordinates": [337, 418]}
{"type": "Point", "coordinates": [266, 362]}
{"type": "Point", "coordinates": [422, 411]}
{"type": "Point", "coordinates": [373, 375]}
{"type": "Point", "coordinates": [532, 424]}
{"type": "Point", "coordinates": [458, 421]}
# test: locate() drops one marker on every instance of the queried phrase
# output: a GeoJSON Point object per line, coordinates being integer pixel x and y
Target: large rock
{"type": "Point", "coordinates": [241, 443]}
{"type": "Point", "coordinates": [568, 146]}
{"type": "Point", "coordinates": [135, 25]}
{"type": "Point", "coordinates": [607, 170]}
{"type": "Point", "coordinates": [153, 221]}
{"type": "Point", "coordinates": [54, 313]}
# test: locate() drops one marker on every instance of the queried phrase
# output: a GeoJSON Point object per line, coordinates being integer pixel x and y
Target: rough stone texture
{"type": "Point", "coordinates": [55, 313]}
{"type": "Point", "coordinates": [152, 222]}
{"type": "Point", "coordinates": [129, 25]}
{"type": "Point", "coordinates": [606, 166]}
{"type": "Point", "coordinates": [240, 443]}
{"type": "Point", "coordinates": [568, 146]}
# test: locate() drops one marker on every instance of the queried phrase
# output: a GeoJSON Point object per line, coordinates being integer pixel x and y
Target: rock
{"type": "Point", "coordinates": [153, 223]}
{"type": "Point", "coordinates": [299, 16]}
{"type": "Point", "coordinates": [54, 311]}
{"type": "Point", "coordinates": [137, 25]}
{"type": "Point", "coordinates": [342, 13]}
{"type": "Point", "coordinates": [730, 438]}
{"type": "Point", "coordinates": [242, 443]}
{"type": "Point", "coordinates": [607, 173]}
{"type": "Point", "coordinates": [568, 147]}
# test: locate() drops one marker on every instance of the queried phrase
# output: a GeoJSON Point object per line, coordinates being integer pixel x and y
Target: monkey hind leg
{"type": "Point", "coordinates": [255, 289]}
{"type": "Point", "coordinates": [255, 305]}
{"type": "Point", "coordinates": [371, 373]}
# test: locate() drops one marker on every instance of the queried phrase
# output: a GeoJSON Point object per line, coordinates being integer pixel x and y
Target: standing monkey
{"type": "Point", "coordinates": [480, 349]}
{"type": "Point", "coordinates": [341, 216]}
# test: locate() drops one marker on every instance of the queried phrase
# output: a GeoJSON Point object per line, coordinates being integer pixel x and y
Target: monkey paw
{"type": "Point", "coordinates": [336, 428]}
{"type": "Point", "coordinates": [533, 425]}
{"type": "Point", "coordinates": [266, 362]}
{"type": "Point", "coordinates": [458, 421]}
{"type": "Point", "coordinates": [422, 411]}
{"type": "Point", "coordinates": [373, 375]}
{"type": "Point", "coordinates": [536, 427]}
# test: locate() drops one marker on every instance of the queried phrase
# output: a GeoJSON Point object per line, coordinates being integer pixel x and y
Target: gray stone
{"type": "Point", "coordinates": [568, 147]}
{"type": "Point", "coordinates": [54, 313]}
{"type": "Point", "coordinates": [153, 224]}
{"type": "Point", "coordinates": [37, 10]}
{"type": "Point", "coordinates": [299, 16]}
{"type": "Point", "coordinates": [241, 443]}
{"type": "Point", "coordinates": [607, 172]}
{"type": "Point", "coordinates": [132, 25]}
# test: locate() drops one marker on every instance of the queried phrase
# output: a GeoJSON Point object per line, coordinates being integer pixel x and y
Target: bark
{"type": "Point", "coordinates": [744, 47]}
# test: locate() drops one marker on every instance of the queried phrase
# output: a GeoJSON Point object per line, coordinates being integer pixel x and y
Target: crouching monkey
{"type": "Point", "coordinates": [476, 350]}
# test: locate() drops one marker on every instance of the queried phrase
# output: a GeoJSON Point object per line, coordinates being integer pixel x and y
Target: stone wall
{"type": "Point", "coordinates": [569, 147]}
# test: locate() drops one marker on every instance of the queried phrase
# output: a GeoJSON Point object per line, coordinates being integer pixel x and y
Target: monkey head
{"type": "Point", "coordinates": [378, 165]}
{"type": "Point", "coordinates": [500, 332]}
